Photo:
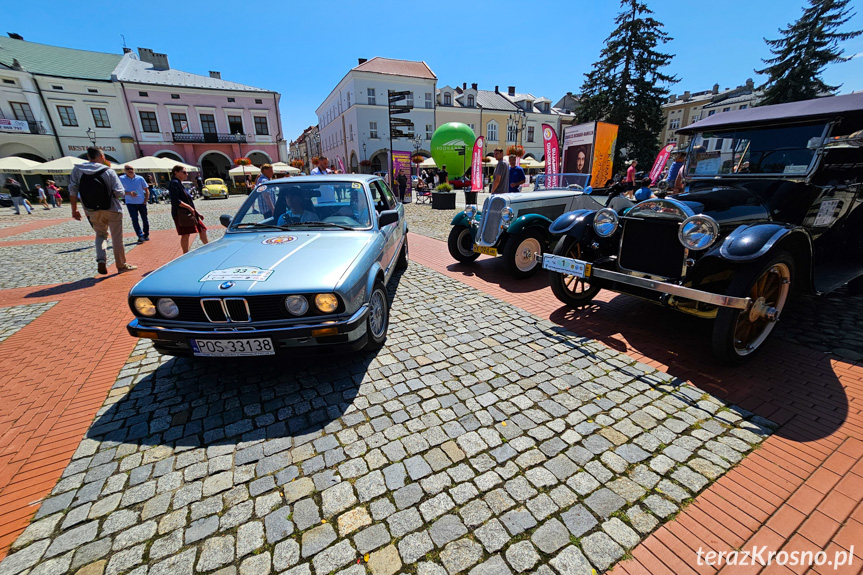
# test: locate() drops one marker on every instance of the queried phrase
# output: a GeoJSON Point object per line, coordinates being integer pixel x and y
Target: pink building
{"type": "Point", "coordinates": [200, 120]}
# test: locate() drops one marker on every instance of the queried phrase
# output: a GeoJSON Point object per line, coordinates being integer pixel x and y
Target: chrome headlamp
{"type": "Point", "coordinates": [167, 307]}
{"type": "Point", "coordinates": [297, 304]}
{"type": "Point", "coordinates": [326, 302]}
{"type": "Point", "coordinates": [470, 211]}
{"type": "Point", "coordinates": [605, 223]}
{"type": "Point", "coordinates": [698, 232]}
{"type": "Point", "coordinates": [145, 306]}
{"type": "Point", "coordinates": [506, 215]}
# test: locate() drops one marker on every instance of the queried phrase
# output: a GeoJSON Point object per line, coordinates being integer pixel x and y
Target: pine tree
{"type": "Point", "coordinates": [626, 86]}
{"type": "Point", "coordinates": [802, 52]}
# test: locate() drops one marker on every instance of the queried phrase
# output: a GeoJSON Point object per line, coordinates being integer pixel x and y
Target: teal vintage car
{"type": "Point", "coordinates": [303, 266]}
{"type": "Point", "coordinates": [515, 225]}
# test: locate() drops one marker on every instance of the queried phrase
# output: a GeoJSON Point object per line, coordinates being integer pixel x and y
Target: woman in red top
{"type": "Point", "coordinates": [630, 177]}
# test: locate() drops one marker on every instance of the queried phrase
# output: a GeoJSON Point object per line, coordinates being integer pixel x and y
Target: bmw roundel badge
{"type": "Point", "coordinates": [226, 285]}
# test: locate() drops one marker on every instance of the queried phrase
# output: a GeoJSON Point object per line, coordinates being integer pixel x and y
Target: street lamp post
{"type": "Point", "coordinates": [364, 157]}
{"type": "Point", "coordinates": [418, 144]}
{"type": "Point", "coordinates": [91, 133]}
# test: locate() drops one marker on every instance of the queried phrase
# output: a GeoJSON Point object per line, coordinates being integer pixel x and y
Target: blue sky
{"type": "Point", "coordinates": [303, 49]}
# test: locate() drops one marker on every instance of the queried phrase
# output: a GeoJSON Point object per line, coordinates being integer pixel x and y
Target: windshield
{"type": "Point", "coordinates": [561, 181]}
{"type": "Point", "coordinates": [782, 150]}
{"type": "Point", "coordinates": [214, 183]}
{"type": "Point", "coordinates": [340, 205]}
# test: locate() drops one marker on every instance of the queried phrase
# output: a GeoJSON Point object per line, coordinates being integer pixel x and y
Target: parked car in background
{"type": "Point", "coordinates": [5, 201]}
{"type": "Point", "coordinates": [214, 188]}
{"type": "Point", "coordinates": [191, 189]}
{"type": "Point", "coordinates": [303, 265]}
{"type": "Point", "coordinates": [158, 195]}
{"type": "Point", "coordinates": [774, 205]}
{"type": "Point", "coordinates": [460, 183]}
{"type": "Point", "coordinates": [516, 225]}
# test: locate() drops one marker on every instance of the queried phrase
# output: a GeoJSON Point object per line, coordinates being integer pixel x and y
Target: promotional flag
{"type": "Point", "coordinates": [552, 154]}
{"type": "Point", "coordinates": [341, 164]}
{"type": "Point", "coordinates": [659, 163]}
{"type": "Point", "coordinates": [476, 184]}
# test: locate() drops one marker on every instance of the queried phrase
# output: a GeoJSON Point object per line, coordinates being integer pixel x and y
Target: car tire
{"type": "Point", "coordinates": [378, 318]}
{"type": "Point", "coordinates": [518, 253]}
{"type": "Point", "coordinates": [738, 334]}
{"type": "Point", "coordinates": [460, 245]}
{"type": "Point", "coordinates": [402, 262]}
{"type": "Point", "coordinates": [570, 290]}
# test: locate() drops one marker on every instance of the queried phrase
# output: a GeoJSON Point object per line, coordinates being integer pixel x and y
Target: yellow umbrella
{"type": "Point", "coordinates": [16, 165]}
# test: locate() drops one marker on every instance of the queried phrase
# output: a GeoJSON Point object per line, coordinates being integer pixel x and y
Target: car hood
{"type": "Point", "coordinates": [728, 204]}
{"type": "Point", "coordinates": [310, 262]}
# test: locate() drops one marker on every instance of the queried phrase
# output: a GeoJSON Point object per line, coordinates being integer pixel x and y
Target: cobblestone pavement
{"type": "Point", "coordinates": [43, 264]}
{"type": "Point", "coordinates": [14, 318]}
{"type": "Point", "coordinates": [467, 444]}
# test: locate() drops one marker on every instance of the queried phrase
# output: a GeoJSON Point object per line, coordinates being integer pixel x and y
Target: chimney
{"type": "Point", "coordinates": [672, 98]}
{"type": "Point", "coordinates": [512, 90]}
{"type": "Point", "coordinates": [497, 89]}
{"type": "Point", "coordinates": [750, 84]}
{"type": "Point", "coordinates": [715, 88]}
{"type": "Point", "coordinates": [686, 95]}
{"type": "Point", "coordinates": [473, 85]}
{"type": "Point", "coordinates": [464, 85]}
{"type": "Point", "coordinates": [127, 50]}
{"type": "Point", "coordinates": [216, 75]}
{"type": "Point", "coordinates": [15, 36]}
{"type": "Point", "coordinates": [361, 61]}
{"type": "Point", "coordinates": [159, 61]}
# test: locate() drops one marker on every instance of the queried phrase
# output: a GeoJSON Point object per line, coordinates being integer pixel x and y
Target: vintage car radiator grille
{"type": "Point", "coordinates": [651, 246]}
{"type": "Point", "coordinates": [491, 220]}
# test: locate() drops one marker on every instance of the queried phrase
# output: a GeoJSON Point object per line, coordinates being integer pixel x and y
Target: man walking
{"type": "Point", "coordinates": [266, 175]}
{"type": "Point", "coordinates": [99, 189]}
{"type": "Point", "coordinates": [137, 193]}
{"type": "Point", "coordinates": [322, 168]}
{"type": "Point", "coordinates": [18, 199]}
{"type": "Point", "coordinates": [500, 178]}
{"type": "Point", "coordinates": [516, 175]}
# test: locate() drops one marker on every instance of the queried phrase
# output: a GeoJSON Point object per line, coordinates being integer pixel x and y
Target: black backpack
{"type": "Point", "coordinates": [94, 192]}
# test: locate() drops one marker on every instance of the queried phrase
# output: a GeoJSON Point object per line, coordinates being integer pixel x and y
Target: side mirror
{"type": "Point", "coordinates": [388, 217]}
{"type": "Point", "coordinates": [225, 220]}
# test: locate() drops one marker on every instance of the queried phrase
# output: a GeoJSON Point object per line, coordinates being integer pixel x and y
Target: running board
{"type": "Point", "coordinates": [833, 275]}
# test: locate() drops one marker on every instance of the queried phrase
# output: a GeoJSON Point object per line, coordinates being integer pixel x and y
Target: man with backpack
{"type": "Point", "coordinates": [99, 190]}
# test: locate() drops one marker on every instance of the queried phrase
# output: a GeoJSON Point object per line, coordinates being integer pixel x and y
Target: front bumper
{"type": "Point", "coordinates": [174, 339]}
{"type": "Point", "coordinates": [720, 300]}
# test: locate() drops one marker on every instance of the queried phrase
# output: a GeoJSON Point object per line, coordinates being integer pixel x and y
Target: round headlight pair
{"type": "Point", "coordinates": [605, 223]}
{"type": "Point", "coordinates": [698, 232]}
{"type": "Point", "coordinates": [298, 305]}
{"type": "Point", "coordinates": [506, 215]}
{"type": "Point", "coordinates": [470, 211]}
{"type": "Point", "coordinates": [164, 306]}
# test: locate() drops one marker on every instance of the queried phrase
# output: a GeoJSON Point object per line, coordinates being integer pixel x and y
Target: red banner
{"type": "Point", "coordinates": [552, 154]}
{"type": "Point", "coordinates": [659, 163]}
{"type": "Point", "coordinates": [476, 183]}
{"type": "Point", "coordinates": [341, 164]}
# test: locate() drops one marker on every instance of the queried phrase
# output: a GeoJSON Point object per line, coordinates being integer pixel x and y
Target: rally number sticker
{"type": "Point", "coordinates": [238, 273]}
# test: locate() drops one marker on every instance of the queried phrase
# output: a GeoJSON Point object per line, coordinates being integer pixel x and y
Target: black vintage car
{"type": "Point", "coordinates": [774, 202]}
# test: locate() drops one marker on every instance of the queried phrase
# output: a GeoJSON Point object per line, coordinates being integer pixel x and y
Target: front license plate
{"type": "Point", "coordinates": [232, 347]}
{"type": "Point", "coordinates": [566, 266]}
{"type": "Point", "coordinates": [484, 250]}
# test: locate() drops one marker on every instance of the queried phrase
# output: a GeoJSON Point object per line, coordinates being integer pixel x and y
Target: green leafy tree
{"type": "Point", "coordinates": [804, 50]}
{"type": "Point", "coordinates": [627, 85]}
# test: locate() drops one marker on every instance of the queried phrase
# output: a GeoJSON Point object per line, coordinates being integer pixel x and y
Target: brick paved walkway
{"type": "Point", "coordinates": [802, 490]}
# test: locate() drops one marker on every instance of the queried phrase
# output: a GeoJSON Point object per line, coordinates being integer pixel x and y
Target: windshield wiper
{"type": "Point", "coordinates": [259, 225]}
{"type": "Point", "coordinates": [320, 224]}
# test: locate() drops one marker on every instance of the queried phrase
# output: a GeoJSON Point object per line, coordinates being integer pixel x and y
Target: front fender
{"type": "Point", "coordinates": [521, 223]}
{"type": "Point", "coordinates": [460, 219]}
{"type": "Point", "coordinates": [750, 242]}
{"type": "Point", "coordinates": [573, 223]}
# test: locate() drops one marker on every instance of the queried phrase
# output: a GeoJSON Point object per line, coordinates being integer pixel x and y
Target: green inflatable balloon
{"type": "Point", "coordinates": [446, 145]}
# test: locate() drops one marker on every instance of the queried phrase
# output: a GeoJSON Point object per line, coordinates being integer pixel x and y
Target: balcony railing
{"type": "Point", "coordinates": [36, 128]}
{"type": "Point", "coordinates": [208, 138]}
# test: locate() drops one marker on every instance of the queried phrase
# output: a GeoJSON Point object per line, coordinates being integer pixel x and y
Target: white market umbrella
{"type": "Point", "coordinates": [250, 170]}
{"type": "Point", "coordinates": [489, 161]}
{"type": "Point", "coordinates": [428, 163]}
{"type": "Point", "coordinates": [169, 163]}
{"type": "Point", "coordinates": [16, 165]}
{"type": "Point", "coordinates": [62, 165]}
{"type": "Point", "coordinates": [530, 163]}
{"type": "Point", "coordinates": [149, 164]}
{"type": "Point", "coordinates": [283, 168]}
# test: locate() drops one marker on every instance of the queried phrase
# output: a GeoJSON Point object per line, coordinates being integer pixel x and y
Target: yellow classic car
{"type": "Point", "coordinates": [215, 188]}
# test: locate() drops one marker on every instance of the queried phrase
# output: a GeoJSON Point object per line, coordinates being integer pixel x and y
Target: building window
{"type": "Point", "coordinates": [175, 96]}
{"type": "Point", "coordinates": [208, 123]}
{"type": "Point", "coordinates": [93, 90]}
{"type": "Point", "coordinates": [235, 124]}
{"type": "Point", "coordinates": [410, 100]}
{"type": "Point", "coordinates": [56, 87]}
{"type": "Point", "coordinates": [22, 111]}
{"type": "Point", "coordinates": [429, 101]}
{"type": "Point", "coordinates": [429, 131]}
{"type": "Point", "coordinates": [470, 100]}
{"type": "Point", "coordinates": [695, 118]}
{"type": "Point", "coordinates": [232, 99]}
{"type": "Point", "coordinates": [472, 127]}
{"type": "Point", "coordinates": [373, 129]}
{"type": "Point", "coordinates": [491, 131]}
{"type": "Point", "coordinates": [447, 99]}
{"type": "Point", "coordinates": [100, 117]}
{"type": "Point", "coordinates": [351, 132]}
{"type": "Point", "coordinates": [710, 113]}
{"type": "Point", "coordinates": [67, 115]}
{"type": "Point", "coordinates": [180, 122]}
{"type": "Point", "coordinates": [372, 101]}
{"type": "Point", "coordinates": [706, 144]}
{"type": "Point", "coordinates": [148, 121]}
{"type": "Point", "coordinates": [674, 124]}
{"type": "Point", "coordinates": [143, 94]}
{"type": "Point", "coordinates": [726, 109]}
{"type": "Point", "coordinates": [718, 144]}
{"type": "Point", "coordinates": [261, 127]}
{"type": "Point", "coordinates": [349, 99]}
{"type": "Point", "coordinates": [743, 107]}
{"type": "Point", "coordinates": [530, 133]}
{"type": "Point", "coordinates": [258, 101]}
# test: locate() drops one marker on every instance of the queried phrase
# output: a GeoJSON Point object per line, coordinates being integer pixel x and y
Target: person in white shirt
{"type": "Point", "coordinates": [323, 167]}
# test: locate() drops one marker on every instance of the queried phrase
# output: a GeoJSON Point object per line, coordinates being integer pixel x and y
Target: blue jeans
{"type": "Point", "coordinates": [134, 211]}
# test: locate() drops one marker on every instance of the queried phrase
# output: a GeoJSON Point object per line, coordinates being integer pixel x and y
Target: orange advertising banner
{"type": "Point", "coordinates": [605, 141]}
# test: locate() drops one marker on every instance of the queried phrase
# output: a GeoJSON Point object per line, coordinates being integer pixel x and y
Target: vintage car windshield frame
{"type": "Point", "coordinates": [255, 197]}
{"type": "Point", "coordinates": [563, 183]}
{"type": "Point", "coordinates": [737, 161]}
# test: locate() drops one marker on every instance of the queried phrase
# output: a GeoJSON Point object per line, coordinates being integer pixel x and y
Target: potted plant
{"type": "Point", "coordinates": [443, 198]}
{"type": "Point", "coordinates": [516, 151]}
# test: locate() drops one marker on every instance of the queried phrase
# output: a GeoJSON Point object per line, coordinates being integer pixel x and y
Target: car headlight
{"type": "Point", "coordinates": [326, 302]}
{"type": "Point", "coordinates": [144, 306]}
{"type": "Point", "coordinates": [470, 211]}
{"type": "Point", "coordinates": [167, 307]}
{"type": "Point", "coordinates": [506, 215]}
{"type": "Point", "coordinates": [698, 232]}
{"type": "Point", "coordinates": [297, 304]}
{"type": "Point", "coordinates": [605, 222]}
